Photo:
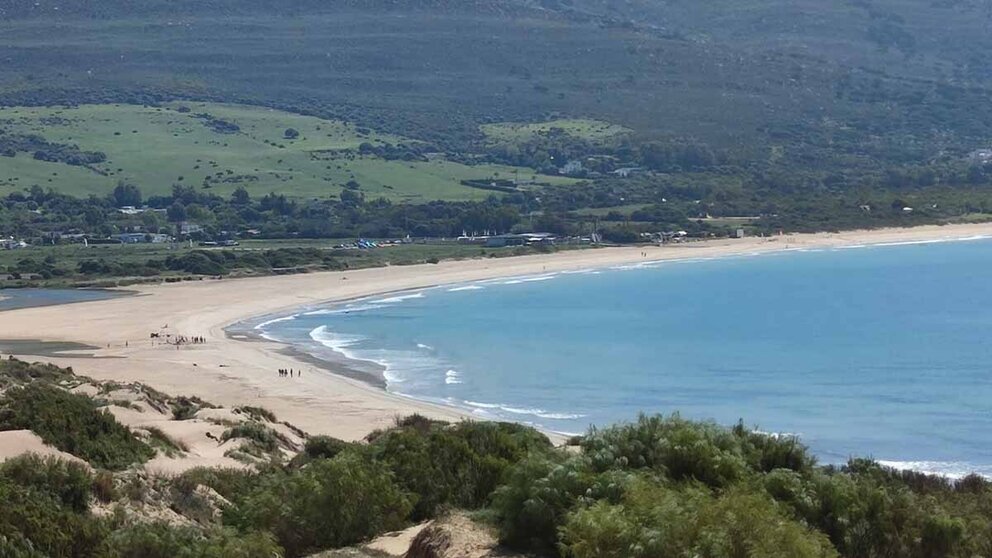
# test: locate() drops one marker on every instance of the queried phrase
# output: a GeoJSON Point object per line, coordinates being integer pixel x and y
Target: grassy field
{"type": "Point", "coordinates": [519, 132]}
{"type": "Point", "coordinates": [156, 147]}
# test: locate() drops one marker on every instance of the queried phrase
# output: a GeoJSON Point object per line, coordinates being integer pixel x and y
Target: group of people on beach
{"type": "Point", "coordinates": [284, 372]}
{"type": "Point", "coordinates": [195, 340]}
{"type": "Point", "coordinates": [179, 340]}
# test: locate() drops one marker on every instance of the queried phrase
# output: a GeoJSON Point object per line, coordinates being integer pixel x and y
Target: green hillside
{"type": "Point", "coordinates": [907, 77]}
{"type": "Point", "coordinates": [800, 112]}
{"type": "Point", "coordinates": [582, 128]}
{"type": "Point", "coordinates": [220, 147]}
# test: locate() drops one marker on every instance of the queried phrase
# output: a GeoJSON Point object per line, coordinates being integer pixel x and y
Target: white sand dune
{"type": "Point", "coordinates": [18, 442]}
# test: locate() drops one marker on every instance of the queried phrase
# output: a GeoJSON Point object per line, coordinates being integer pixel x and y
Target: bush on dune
{"type": "Point", "coordinates": [31, 518]}
{"type": "Point", "coordinates": [73, 424]}
{"type": "Point", "coordinates": [329, 503]}
{"type": "Point", "coordinates": [69, 483]}
{"type": "Point", "coordinates": [654, 520]}
{"type": "Point", "coordinates": [539, 493]}
{"type": "Point", "coordinates": [457, 465]}
{"type": "Point", "coordinates": [161, 540]}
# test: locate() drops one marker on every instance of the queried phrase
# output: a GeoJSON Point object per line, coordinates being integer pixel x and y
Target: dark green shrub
{"type": "Point", "coordinates": [183, 409]}
{"type": "Point", "coordinates": [256, 413]}
{"type": "Point", "coordinates": [540, 492]}
{"type": "Point", "coordinates": [324, 447]}
{"type": "Point", "coordinates": [17, 546]}
{"type": "Point", "coordinates": [232, 484]}
{"type": "Point", "coordinates": [764, 452]}
{"type": "Point", "coordinates": [329, 503]}
{"type": "Point", "coordinates": [73, 424]}
{"type": "Point", "coordinates": [12, 369]}
{"type": "Point", "coordinates": [103, 487]}
{"type": "Point", "coordinates": [452, 465]}
{"type": "Point", "coordinates": [53, 529]}
{"type": "Point", "coordinates": [67, 482]}
{"type": "Point", "coordinates": [161, 540]}
{"type": "Point", "coordinates": [657, 521]}
{"type": "Point", "coordinates": [260, 436]}
{"type": "Point", "coordinates": [678, 448]}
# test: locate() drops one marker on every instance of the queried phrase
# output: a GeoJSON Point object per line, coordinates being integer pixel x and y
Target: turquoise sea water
{"type": "Point", "coordinates": [870, 351]}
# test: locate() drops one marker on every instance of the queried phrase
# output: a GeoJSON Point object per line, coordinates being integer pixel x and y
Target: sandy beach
{"type": "Point", "coordinates": [235, 372]}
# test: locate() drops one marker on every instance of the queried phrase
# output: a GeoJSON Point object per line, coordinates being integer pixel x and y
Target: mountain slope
{"type": "Point", "coordinates": [885, 80]}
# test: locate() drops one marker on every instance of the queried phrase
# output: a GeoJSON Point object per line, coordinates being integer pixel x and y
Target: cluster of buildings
{"type": "Point", "coordinates": [597, 168]}
{"type": "Point", "coordinates": [523, 239]}
{"type": "Point", "coordinates": [11, 243]}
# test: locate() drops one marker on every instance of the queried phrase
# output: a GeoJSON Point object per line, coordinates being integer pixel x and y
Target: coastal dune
{"type": "Point", "coordinates": [231, 371]}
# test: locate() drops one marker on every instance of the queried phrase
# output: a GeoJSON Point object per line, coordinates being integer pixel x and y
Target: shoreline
{"type": "Point", "coordinates": [231, 372]}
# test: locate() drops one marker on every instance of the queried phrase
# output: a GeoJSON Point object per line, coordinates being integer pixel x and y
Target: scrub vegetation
{"type": "Point", "coordinates": [659, 486]}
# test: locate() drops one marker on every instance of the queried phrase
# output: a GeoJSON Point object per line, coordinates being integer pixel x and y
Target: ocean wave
{"type": "Point", "coordinates": [274, 320]}
{"type": "Point", "coordinates": [653, 264]}
{"type": "Point", "coordinates": [534, 279]}
{"type": "Point", "coordinates": [950, 469]}
{"type": "Point", "coordinates": [426, 347]}
{"type": "Point", "coordinates": [337, 342]}
{"type": "Point", "coordinates": [466, 288]}
{"type": "Point", "coordinates": [398, 298]}
{"type": "Point", "coordinates": [915, 242]}
{"type": "Point", "coordinates": [398, 365]}
{"type": "Point", "coordinates": [452, 377]}
{"type": "Point", "coordinates": [345, 309]}
{"type": "Point", "coordinates": [540, 413]}
{"type": "Point", "coordinates": [482, 405]}
{"type": "Point", "coordinates": [932, 241]}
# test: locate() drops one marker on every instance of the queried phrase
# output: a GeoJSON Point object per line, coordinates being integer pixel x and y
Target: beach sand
{"type": "Point", "coordinates": [234, 372]}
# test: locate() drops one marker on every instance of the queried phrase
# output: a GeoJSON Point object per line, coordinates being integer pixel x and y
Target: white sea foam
{"type": "Point", "coordinates": [398, 365]}
{"type": "Point", "coordinates": [452, 377]}
{"type": "Point", "coordinates": [777, 435]}
{"type": "Point", "coordinates": [337, 342]}
{"type": "Point", "coordinates": [482, 405]}
{"type": "Point", "coordinates": [949, 469]}
{"type": "Point", "coordinates": [399, 298]}
{"type": "Point", "coordinates": [345, 309]}
{"type": "Point", "coordinates": [364, 305]}
{"type": "Point", "coordinates": [531, 279]}
{"type": "Point", "coordinates": [466, 288]}
{"type": "Point", "coordinates": [931, 241]}
{"type": "Point", "coordinates": [560, 416]}
{"type": "Point", "coordinates": [426, 347]}
{"type": "Point", "coordinates": [538, 278]}
{"type": "Point", "coordinates": [915, 242]}
{"type": "Point", "coordinates": [274, 320]}
{"type": "Point", "coordinates": [653, 264]}
{"type": "Point", "coordinates": [540, 413]}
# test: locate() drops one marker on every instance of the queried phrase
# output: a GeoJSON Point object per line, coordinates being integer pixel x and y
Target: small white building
{"type": "Point", "coordinates": [10, 243]}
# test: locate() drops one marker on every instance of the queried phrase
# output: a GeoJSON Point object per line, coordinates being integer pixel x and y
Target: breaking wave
{"type": "Point", "coordinates": [539, 413]}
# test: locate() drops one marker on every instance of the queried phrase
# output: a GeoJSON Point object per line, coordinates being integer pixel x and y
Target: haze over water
{"type": "Point", "coordinates": [870, 351]}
